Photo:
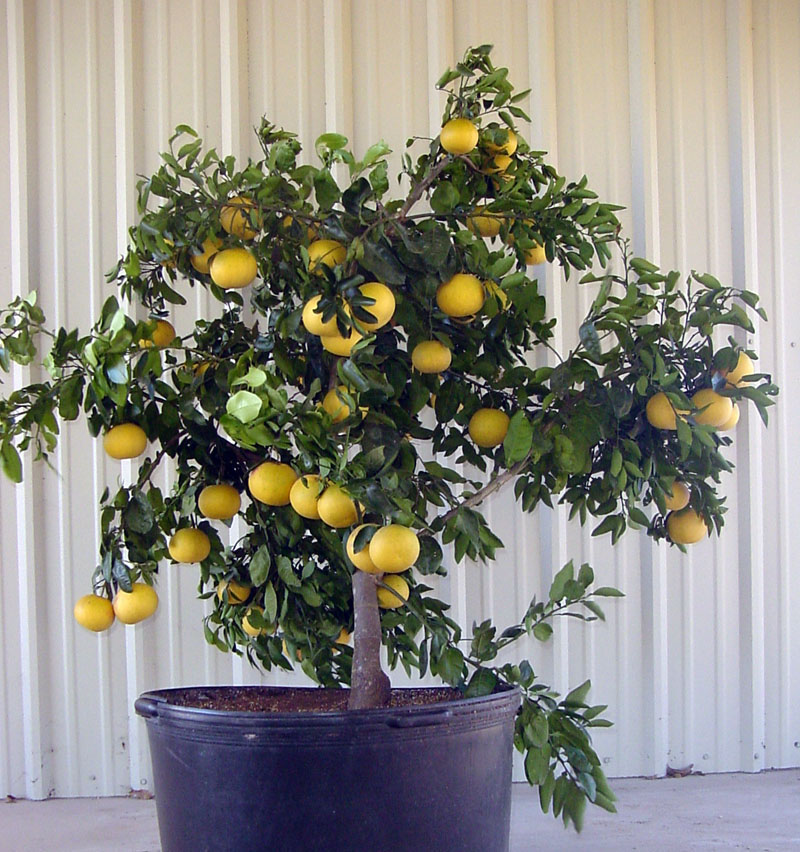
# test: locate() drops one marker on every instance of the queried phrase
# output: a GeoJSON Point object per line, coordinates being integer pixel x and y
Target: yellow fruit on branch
{"type": "Point", "coordinates": [271, 483]}
{"type": "Point", "coordinates": [686, 527]}
{"type": "Point", "coordinates": [431, 356]}
{"type": "Point", "coordinates": [163, 335]}
{"type": "Point", "coordinates": [189, 545]}
{"type": "Point", "coordinates": [715, 410]}
{"type": "Point", "coordinates": [134, 606]}
{"type": "Point", "coordinates": [336, 508]}
{"type": "Point", "coordinates": [508, 147]}
{"type": "Point", "coordinates": [459, 136]}
{"type": "Point", "coordinates": [396, 595]}
{"type": "Point", "coordinates": [219, 502]}
{"type": "Point", "coordinates": [731, 422]}
{"type": "Point", "coordinates": [536, 255]}
{"type": "Point", "coordinates": [483, 222]}
{"type": "Point", "coordinates": [304, 496]}
{"type": "Point", "coordinates": [744, 367]}
{"type": "Point", "coordinates": [233, 592]}
{"type": "Point", "coordinates": [678, 498]}
{"type": "Point", "coordinates": [661, 413]}
{"type": "Point", "coordinates": [125, 441]}
{"type": "Point", "coordinates": [334, 404]}
{"type": "Point", "coordinates": [233, 268]}
{"type": "Point", "coordinates": [394, 548]}
{"type": "Point", "coordinates": [383, 307]}
{"type": "Point", "coordinates": [328, 252]}
{"type": "Point", "coordinates": [94, 613]}
{"type": "Point", "coordinates": [236, 217]}
{"type": "Point", "coordinates": [360, 558]}
{"type": "Point", "coordinates": [338, 345]}
{"type": "Point", "coordinates": [498, 165]}
{"type": "Point", "coordinates": [488, 427]}
{"type": "Point", "coordinates": [210, 246]}
{"type": "Point", "coordinates": [462, 296]}
{"type": "Point", "coordinates": [247, 624]}
{"type": "Point", "coordinates": [313, 321]}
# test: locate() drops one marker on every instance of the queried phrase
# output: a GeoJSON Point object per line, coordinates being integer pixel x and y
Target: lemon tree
{"type": "Point", "coordinates": [377, 326]}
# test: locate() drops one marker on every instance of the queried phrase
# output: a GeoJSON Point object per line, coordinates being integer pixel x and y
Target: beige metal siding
{"type": "Point", "coordinates": [688, 113]}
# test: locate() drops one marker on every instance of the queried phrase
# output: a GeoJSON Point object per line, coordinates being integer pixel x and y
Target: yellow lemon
{"type": "Point", "coordinates": [431, 356]}
{"type": "Point", "coordinates": [660, 413]}
{"type": "Point", "coordinates": [163, 335]}
{"type": "Point", "coordinates": [125, 441]}
{"type": "Point", "coordinates": [461, 296]}
{"type": "Point", "coordinates": [94, 613]}
{"type": "Point", "coordinates": [361, 558]}
{"type": "Point", "coordinates": [312, 319]}
{"type": "Point", "coordinates": [304, 496]}
{"type": "Point", "coordinates": [508, 147]}
{"type": "Point", "coordinates": [382, 309]}
{"type": "Point", "coordinates": [396, 595]}
{"type": "Point", "coordinates": [731, 422]}
{"type": "Point", "coordinates": [271, 483]}
{"type": "Point", "coordinates": [247, 625]}
{"type": "Point", "coordinates": [394, 548]}
{"type": "Point", "coordinates": [233, 268]}
{"type": "Point", "coordinates": [219, 502]}
{"type": "Point", "coordinates": [238, 592]}
{"type": "Point", "coordinates": [134, 606]}
{"type": "Point", "coordinates": [536, 255]}
{"type": "Point", "coordinates": [343, 638]}
{"type": "Point", "coordinates": [717, 409]}
{"type": "Point", "coordinates": [335, 405]}
{"type": "Point", "coordinates": [210, 246]}
{"type": "Point", "coordinates": [189, 545]}
{"type": "Point", "coordinates": [336, 508]}
{"type": "Point", "coordinates": [329, 252]}
{"type": "Point", "coordinates": [686, 527]}
{"type": "Point", "coordinates": [498, 165]}
{"type": "Point", "coordinates": [678, 498]}
{"type": "Point", "coordinates": [484, 223]}
{"type": "Point", "coordinates": [488, 427]}
{"type": "Point", "coordinates": [459, 136]}
{"type": "Point", "coordinates": [744, 367]}
{"type": "Point", "coordinates": [338, 345]}
{"type": "Point", "coordinates": [236, 217]}
{"type": "Point", "coordinates": [311, 231]}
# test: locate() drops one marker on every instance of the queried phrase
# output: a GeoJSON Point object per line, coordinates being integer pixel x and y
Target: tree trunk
{"type": "Point", "coordinates": [370, 686]}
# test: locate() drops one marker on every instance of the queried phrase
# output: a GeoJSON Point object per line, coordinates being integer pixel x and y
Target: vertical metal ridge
{"type": "Point", "coordinates": [337, 17]}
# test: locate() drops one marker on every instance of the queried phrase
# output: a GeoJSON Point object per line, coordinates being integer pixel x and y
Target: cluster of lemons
{"type": "Point", "coordinates": [684, 524]}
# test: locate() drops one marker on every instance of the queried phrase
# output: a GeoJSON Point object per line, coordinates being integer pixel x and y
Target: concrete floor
{"type": "Point", "coordinates": [754, 812]}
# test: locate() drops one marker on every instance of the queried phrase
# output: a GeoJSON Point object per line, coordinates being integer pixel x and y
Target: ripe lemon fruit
{"type": "Point", "coordinates": [210, 246]}
{"type": "Point", "coordinates": [233, 268]}
{"type": "Point", "coordinates": [312, 319]}
{"type": "Point", "coordinates": [163, 335]}
{"type": "Point", "coordinates": [389, 599]}
{"type": "Point", "coordinates": [338, 345]}
{"type": "Point", "coordinates": [343, 638]}
{"type": "Point", "coordinates": [717, 409]}
{"type": "Point", "coordinates": [394, 548]}
{"type": "Point", "coordinates": [329, 252]}
{"type": "Point", "coordinates": [431, 356]}
{"type": "Point", "coordinates": [382, 310]}
{"type": "Point", "coordinates": [238, 592]}
{"type": "Point", "coordinates": [678, 498]}
{"type": "Point", "coordinates": [508, 147]}
{"type": "Point", "coordinates": [731, 422]}
{"type": "Point", "coordinates": [247, 625]}
{"type": "Point", "coordinates": [219, 502]}
{"type": "Point", "coordinates": [360, 558]}
{"type": "Point", "coordinates": [484, 223]}
{"type": "Point", "coordinates": [744, 367]}
{"type": "Point", "coordinates": [235, 217]}
{"type": "Point", "coordinates": [271, 483]}
{"type": "Point", "coordinates": [488, 427]}
{"type": "Point", "coordinates": [335, 405]}
{"type": "Point", "coordinates": [134, 606]}
{"type": "Point", "coordinates": [686, 527]}
{"type": "Point", "coordinates": [304, 496]}
{"type": "Point", "coordinates": [125, 441]}
{"type": "Point", "coordinates": [189, 545]}
{"type": "Point", "coordinates": [498, 292]}
{"type": "Point", "coordinates": [536, 255]}
{"type": "Point", "coordinates": [462, 296]}
{"type": "Point", "coordinates": [94, 613]}
{"type": "Point", "coordinates": [498, 165]}
{"type": "Point", "coordinates": [660, 413]}
{"type": "Point", "coordinates": [459, 136]}
{"type": "Point", "coordinates": [336, 508]}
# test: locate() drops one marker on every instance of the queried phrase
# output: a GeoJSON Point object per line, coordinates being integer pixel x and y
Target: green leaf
{"type": "Point", "coordinates": [482, 682]}
{"type": "Point", "coordinates": [561, 579]}
{"type": "Point", "coordinates": [260, 565]}
{"type": "Point", "coordinates": [519, 438]}
{"type": "Point", "coordinates": [444, 198]}
{"type": "Point", "coordinates": [286, 573]}
{"type": "Point", "coordinates": [577, 697]}
{"type": "Point", "coordinates": [270, 603]}
{"type": "Point", "coordinates": [543, 631]}
{"type": "Point", "coordinates": [608, 592]}
{"type": "Point", "coordinates": [11, 462]}
{"type": "Point", "coordinates": [244, 406]}
{"type": "Point", "coordinates": [537, 764]}
{"type": "Point", "coordinates": [254, 378]}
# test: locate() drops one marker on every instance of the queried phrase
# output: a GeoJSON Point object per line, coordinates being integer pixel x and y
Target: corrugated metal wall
{"type": "Point", "coordinates": [688, 113]}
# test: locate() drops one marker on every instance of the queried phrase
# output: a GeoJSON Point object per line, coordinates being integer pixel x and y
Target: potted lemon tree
{"type": "Point", "coordinates": [376, 368]}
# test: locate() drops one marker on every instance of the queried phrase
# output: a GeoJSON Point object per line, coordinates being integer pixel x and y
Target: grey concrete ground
{"type": "Point", "coordinates": [753, 812]}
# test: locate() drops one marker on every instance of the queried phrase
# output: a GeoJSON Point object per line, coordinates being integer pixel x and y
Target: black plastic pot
{"type": "Point", "coordinates": [434, 778]}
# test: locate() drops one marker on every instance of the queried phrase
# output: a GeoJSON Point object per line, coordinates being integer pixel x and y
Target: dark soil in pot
{"type": "Point", "coordinates": [299, 773]}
